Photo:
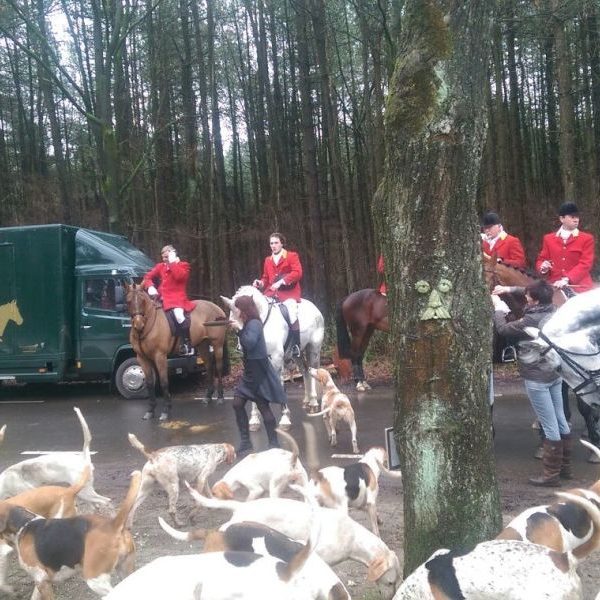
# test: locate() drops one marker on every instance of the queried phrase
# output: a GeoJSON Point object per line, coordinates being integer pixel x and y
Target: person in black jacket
{"type": "Point", "coordinates": [542, 382]}
{"type": "Point", "coordinates": [260, 383]}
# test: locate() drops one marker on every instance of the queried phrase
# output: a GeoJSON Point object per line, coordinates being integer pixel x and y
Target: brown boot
{"type": "Point", "coordinates": [567, 446]}
{"type": "Point", "coordinates": [551, 464]}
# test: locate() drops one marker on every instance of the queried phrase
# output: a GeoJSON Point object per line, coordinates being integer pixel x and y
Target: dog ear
{"type": "Point", "coordinates": [377, 567]}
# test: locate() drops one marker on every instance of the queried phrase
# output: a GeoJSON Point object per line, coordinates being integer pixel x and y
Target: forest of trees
{"type": "Point", "coordinates": [210, 124]}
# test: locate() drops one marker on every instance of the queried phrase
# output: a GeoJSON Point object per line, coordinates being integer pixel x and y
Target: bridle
{"type": "Point", "coordinates": [137, 313]}
{"type": "Point", "coordinates": [589, 376]}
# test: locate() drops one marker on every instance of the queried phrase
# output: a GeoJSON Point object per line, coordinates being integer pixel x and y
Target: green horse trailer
{"type": "Point", "coordinates": [63, 315]}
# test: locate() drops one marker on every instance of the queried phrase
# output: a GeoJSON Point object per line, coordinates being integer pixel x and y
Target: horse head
{"type": "Point", "coordinates": [15, 313]}
{"type": "Point", "coordinates": [138, 304]}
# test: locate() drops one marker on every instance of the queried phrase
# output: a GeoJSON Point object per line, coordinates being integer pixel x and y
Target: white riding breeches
{"type": "Point", "coordinates": [179, 314]}
{"type": "Point", "coordinates": [292, 306]}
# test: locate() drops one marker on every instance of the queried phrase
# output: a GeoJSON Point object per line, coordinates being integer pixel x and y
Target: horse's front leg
{"type": "Point", "coordinates": [311, 399]}
{"type": "Point", "coordinates": [150, 377]}
{"type": "Point", "coordinates": [162, 368]}
{"type": "Point", "coordinates": [278, 364]}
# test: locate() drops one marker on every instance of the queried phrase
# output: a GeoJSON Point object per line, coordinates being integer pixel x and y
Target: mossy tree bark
{"type": "Point", "coordinates": [440, 315]}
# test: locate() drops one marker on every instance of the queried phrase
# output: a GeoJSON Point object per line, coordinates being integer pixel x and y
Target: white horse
{"type": "Point", "coordinates": [570, 339]}
{"type": "Point", "coordinates": [275, 327]}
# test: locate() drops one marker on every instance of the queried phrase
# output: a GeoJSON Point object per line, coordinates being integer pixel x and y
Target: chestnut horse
{"type": "Point", "coordinates": [153, 341]}
{"type": "Point", "coordinates": [358, 316]}
{"type": "Point", "coordinates": [496, 273]}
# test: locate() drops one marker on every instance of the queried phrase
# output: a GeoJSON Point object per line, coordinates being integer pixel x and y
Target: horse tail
{"type": "Point", "coordinates": [343, 337]}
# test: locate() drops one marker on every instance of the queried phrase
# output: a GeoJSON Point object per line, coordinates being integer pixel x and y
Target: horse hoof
{"type": "Point", "coordinates": [311, 410]}
{"type": "Point", "coordinates": [285, 422]}
{"type": "Point", "coordinates": [164, 417]}
{"type": "Point", "coordinates": [148, 415]}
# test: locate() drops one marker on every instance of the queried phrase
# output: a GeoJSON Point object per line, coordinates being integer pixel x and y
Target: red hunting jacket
{"type": "Point", "coordinates": [381, 271]}
{"type": "Point", "coordinates": [288, 268]}
{"type": "Point", "coordinates": [172, 281]}
{"type": "Point", "coordinates": [508, 248]}
{"type": "Point", "coordinates": [572, 258]}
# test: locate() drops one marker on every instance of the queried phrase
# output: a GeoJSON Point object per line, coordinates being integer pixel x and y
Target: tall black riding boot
{"type": "Point", "coordinates": [270, 426]}
{"type": "Point", "coordinates": [186, 348]}
{"type": "Point", "coordinates": [295, 339]}
{"type": "Point", "coordinates": [241, 418]}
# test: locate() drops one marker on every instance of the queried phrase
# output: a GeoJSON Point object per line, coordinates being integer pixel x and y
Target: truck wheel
{"type": "Point", "coordinates": [130, 380]}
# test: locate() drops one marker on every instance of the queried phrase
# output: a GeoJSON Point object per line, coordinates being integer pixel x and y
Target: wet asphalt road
{"type": "Point", "coordinates": [42, 419]}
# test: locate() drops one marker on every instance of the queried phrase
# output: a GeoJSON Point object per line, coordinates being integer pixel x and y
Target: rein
{"type": "Point", "coordinates": [138, 313]}
{"type": "Point", "coordinates": [589, 376]}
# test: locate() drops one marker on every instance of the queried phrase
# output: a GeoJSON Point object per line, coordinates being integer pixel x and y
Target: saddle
{"type": "Point", "coordinates": [178, 329]}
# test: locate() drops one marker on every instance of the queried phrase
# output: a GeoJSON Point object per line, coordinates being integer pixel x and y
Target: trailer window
{"type": "Point", "coordinates": [105, 294]}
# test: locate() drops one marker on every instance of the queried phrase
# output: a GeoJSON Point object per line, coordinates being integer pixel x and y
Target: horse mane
{"type": "Point", "coordinates": [524, 271]}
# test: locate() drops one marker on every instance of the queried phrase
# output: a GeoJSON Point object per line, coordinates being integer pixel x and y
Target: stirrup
{"type": "Point", "coordinates": [295, 351]}
{"type": "Point", "coordinates": [509, 354]}
{"type": "Point", "coordinates": [186, 350]}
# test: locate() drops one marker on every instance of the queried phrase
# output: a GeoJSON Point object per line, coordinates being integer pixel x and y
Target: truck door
{"type": "Point", "coordinates": [104, 323]}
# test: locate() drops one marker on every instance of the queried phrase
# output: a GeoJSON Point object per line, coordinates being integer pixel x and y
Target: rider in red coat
{"type": "Point", "coordinates": [496, 242]}
{"type": "Point", "coordinates": [171, 275]}
{"type": "Point", "coordinates": [280, 279]}
{"type": "Point", "coordinates": [381, 271]}
{"type": "Point", "coordinates": [567, 255]}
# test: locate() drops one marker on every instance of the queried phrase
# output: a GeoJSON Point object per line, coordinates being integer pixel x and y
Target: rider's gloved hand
{"type": "Point", "coordinates": [277, 285]}
{"type": "Point", "coordinates": [545, 266]}
{"type": "Point", "coordinates": [152, 291]}
{"type": "Point", "coordinates": [257, 283]}
{"type": "Point", "coordinates": [561, 283]}
{"type": "Point", "coordinates": [172, 256]}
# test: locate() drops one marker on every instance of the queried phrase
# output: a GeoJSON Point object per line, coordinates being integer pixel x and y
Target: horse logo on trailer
{"type": "Point", "coordinates": [9, 312]}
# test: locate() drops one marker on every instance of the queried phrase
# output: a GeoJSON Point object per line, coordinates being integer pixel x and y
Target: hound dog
{"type": "Point", "coordinates": [168, 465]}
{"type": "Point", "coordinates": [269, 471]}
{"type": "Point", "coordinates": [54, 549]}
{"type": "Point", "coordinates": [341, 538]}
{"type": "Point", "coordinates": [52, 468]}
{"type": "Point", "coordinates": [335, 406]}
{"type": "Point", "coordinates": [260, 539]}
{"type": "Point", "coordinates": [563, 526]}
{"type": "Point", "coordinates": [355, 485]}
{"type": "Point", "coordinates": [49, 501]}
{"type": "Point", "coordinates": [508, 569]}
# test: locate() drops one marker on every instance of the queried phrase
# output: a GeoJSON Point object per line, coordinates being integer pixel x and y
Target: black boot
{"type": "Point", "coordinates": [241, 418]}
{"type": "Point", "coordinates": [186, 348]}
{"type": "Point", "coordinates": [295, 340]}
{"type": "Point", "coordinates": [270, 427]}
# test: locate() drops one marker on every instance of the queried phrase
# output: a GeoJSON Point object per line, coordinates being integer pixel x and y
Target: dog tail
{"type": "Point", "coordinates": [591, 447]}
{"type": "Point", "coordinates": [138, 445]}
{"type": "Point", "coordinates": [293, 445]}
{"type": "Point", "coordinates": [87, 436]}
{"type": "Point", "coordinates": [120, 518]}
{"type": "Point", "coordinates": [2, 431]}
{"type": "Point", "coordinates": [383, 466]}
{"type": "Point", "coordinates": [212, 502]}
{"type": "Point", "coordinates": [83, 479]}
{"type": "Point", "coordinates": [594, 512]}
{"type": "Point", "coordinates": [321, 413]}
{"type": "Point", "coordinates": [183, 536]}
{"type": "Point", "coordinates": [312, 457]}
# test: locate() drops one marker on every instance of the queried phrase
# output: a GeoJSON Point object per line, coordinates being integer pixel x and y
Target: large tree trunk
{"type": "Point", "coordinates": [440, 316]}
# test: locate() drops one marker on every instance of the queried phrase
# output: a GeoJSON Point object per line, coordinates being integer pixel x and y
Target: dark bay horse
{"type": "Point", "coordinates": [358, 316]}
{"type": "Point", "coordinates": [153, 341]}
